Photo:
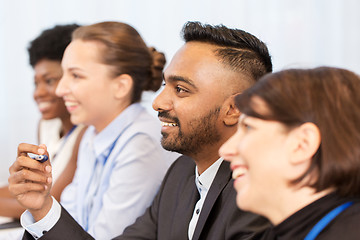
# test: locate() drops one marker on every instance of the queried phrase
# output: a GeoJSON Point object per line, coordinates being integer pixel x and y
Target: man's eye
{"type": "Point", "coordinates": [180, 89]}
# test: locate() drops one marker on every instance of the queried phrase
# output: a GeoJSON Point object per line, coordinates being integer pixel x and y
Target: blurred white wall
{"type": "Point", "coordinates": [303, 33]}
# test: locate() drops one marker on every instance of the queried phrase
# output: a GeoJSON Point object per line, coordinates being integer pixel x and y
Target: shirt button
{"type": "Point", "coordinates": [197, 211]}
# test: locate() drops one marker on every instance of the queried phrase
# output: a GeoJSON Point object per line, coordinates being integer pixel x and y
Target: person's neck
{"type": "Point", "coordinates": [294, 200]}
{"type": "Point", "coordinates": [106, 120]}
{"type": "Point", "coordinates": [67, 125]}
{"type": "Point", "coordinates": [206, 158]}
{"type": "Point", "coordinates": [210, 153]}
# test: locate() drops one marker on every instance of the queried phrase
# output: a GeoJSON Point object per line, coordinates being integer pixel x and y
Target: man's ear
{"type": "Point", "coordinates": [122, 86]}
{"type": "Point", "coordinates": [306, 140]}
{"type": "Point", "coordinates": [232, 113]}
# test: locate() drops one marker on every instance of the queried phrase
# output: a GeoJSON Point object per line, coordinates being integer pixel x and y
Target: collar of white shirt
{"type": "Point", "coordinates": [204, 181]}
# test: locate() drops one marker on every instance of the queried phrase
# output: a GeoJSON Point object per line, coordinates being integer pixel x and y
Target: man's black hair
{"type": "Point", "coordinates": [238, 49]}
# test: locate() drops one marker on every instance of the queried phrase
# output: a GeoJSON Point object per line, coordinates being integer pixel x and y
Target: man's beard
{"type": "Point", "coordinates": [201, 132]}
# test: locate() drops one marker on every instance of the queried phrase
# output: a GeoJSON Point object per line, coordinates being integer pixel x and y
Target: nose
{"type": "Point", "coordinates": [40, 90]}
{"type": "Point", "coordinates": [230, 148]}
{"type": "Point", "coordinates": [62, 88]}
{"type": "Point", "coordinates": [162, 102]}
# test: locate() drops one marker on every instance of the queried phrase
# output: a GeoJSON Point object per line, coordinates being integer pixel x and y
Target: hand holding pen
{"type": "Point", "coordinates": [30, 180]}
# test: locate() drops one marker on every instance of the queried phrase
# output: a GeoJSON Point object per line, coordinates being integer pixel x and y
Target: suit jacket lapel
{"type": "Point", "coordinates": [184, 211]}
{"type": "Point", "coordinates": [222, 178]}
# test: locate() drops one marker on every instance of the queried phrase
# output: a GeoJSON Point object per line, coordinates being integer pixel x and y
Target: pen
{"type": "Point", "coordinates": [40, 158]}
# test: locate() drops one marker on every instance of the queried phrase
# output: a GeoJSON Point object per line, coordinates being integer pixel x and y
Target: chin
{"type": "Point", "coordinates": [169, 147]}
{"type": "Point", "coordinates": [167, 143]}
{"type": "Point", "coordinates": [48, 116]}
{"type": "Point", "coordinates": [242, 202]}
{"type": "Point", "coordinates": [75, 120]}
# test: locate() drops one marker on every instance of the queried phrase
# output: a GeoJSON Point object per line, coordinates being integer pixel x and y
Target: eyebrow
{"type": "Point", "coordinates": [48, 75]}
{"type": "Point", "coordinates": [74, 69]}
{"type": "Point", "coordinates": [176, 78]}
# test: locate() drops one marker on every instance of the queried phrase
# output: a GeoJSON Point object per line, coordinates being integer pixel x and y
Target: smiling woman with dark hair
{"type": "Point", "coordinates": [55, 128]}
{"type": "Point", "coordinates": [296, 154]}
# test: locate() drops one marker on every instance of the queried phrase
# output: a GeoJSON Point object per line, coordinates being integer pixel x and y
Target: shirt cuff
{"type": "Point", "coordinates": [37, 229]}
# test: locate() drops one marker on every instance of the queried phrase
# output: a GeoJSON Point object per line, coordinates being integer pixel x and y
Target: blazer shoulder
{"type": "Point", "coordinates": [182, 169]}
{"type": "Point", "coordinates": [181, 166]}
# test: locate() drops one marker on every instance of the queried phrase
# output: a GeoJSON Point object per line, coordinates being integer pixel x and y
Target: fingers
{"type": "Point", "coordinates": [29, 163]}
{"type": "Point", "coordinates": [30, 180]}
{"type": "Point", "coordinates": [23, 161]}
{"type": "Point", "coordinates": [26, 180]}
{"type": "Point", "coordinates": [27, 175]}
{"type": "Point", "coordinates": [26, 169]}
{"type": "Point", "coordinates": [25, 148]}
{"type": "Point", "coordinates": [21, 188]}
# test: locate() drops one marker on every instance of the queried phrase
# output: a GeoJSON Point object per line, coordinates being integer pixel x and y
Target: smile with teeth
{"type": "Point", "coordinates": [42, 105]}
{"type": "Point", "coordinates": [165, 124]}
{"type": "Point", "coordinates": [70, 104]}
{"type": "Point", "coordinates": [239, 171]}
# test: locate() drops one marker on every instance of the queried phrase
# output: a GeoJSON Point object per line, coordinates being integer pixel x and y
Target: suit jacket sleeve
{"type": "Point", "coordinates": [65, 228]}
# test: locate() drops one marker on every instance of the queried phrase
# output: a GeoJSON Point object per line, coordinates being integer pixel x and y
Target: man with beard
{"type": "Point", "coordinates": [198, 114]}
